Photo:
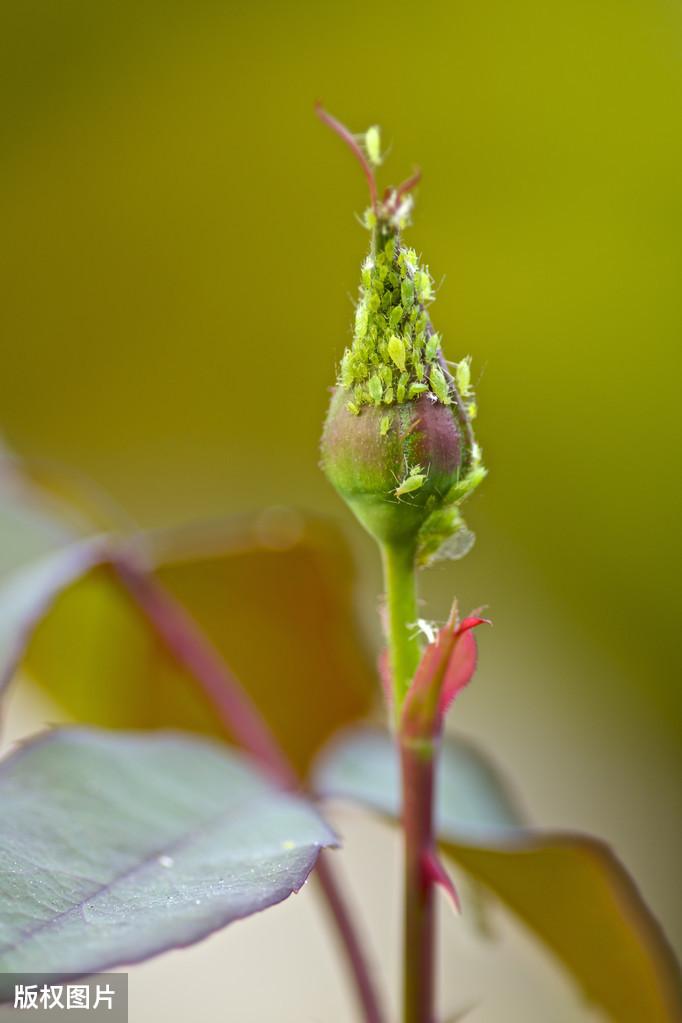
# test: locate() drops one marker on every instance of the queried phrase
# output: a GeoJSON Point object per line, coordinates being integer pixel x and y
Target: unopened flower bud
{"type": "Point", "coordinates": [398, 443]}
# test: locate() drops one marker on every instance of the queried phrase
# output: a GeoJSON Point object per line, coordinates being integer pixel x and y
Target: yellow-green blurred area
{"type": "Point", "coordinates": [179, 261]}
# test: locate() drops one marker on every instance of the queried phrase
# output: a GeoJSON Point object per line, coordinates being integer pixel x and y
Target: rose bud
{"type": "Point", "coordinates": [398, 443]}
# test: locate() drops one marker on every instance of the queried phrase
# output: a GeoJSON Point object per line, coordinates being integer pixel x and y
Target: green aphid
{"type": "Point", "coordinates": [360, 368]}
{"type": "Point", "coordinates": [388, 396]}
{"type": "Point", "coordinates": [395, 316]}
{"type": "Point", "coordinates": [432, 346]}
{"type": "Point", "coordinates": [407, 293]}
{"type": "Point", "coordinates": [374, 301]}
{"type": "Point", "coordinates": [353, 408]}
{"type": "Point", "coordinates": [419, 370]}
{"type": "Point", "coordinates": [346, 375]}
{"type": "Point", "coordinates": [373, 145]}
{"type": "Point", "coordinates": [423, 286]}
{"type": "Point", "coordinates": [361, 318]}
{"type": "Point", "coordinates": [439, 385]}
{"type": "Point", "coordinates": [396, 349]}
{"type": "Point", "coordinates": [414, 480]}
{"type": "Point", "coordinates": [384, 425]}
{"type": "Point", "coordinates": [389, 250]}
{"type": "Point", "coordinates": [463, 376]}
{"type": "Point", "coordinates": [401, 389]}
{"type": "Point", "coordinates": [375, 388]}
{"type": "Point", "coordinates": [416, 389]}
{"type": "Point", "coordinates": [472, 410]}
{"type": "Point", "coordinates": [369, 219]}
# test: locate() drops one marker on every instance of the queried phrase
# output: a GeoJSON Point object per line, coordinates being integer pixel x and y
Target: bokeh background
{"type": "Point", "coordinates": [178, 266]}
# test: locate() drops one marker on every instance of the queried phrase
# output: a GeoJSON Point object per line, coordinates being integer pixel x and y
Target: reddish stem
{"type": "Point", "coordinates": [355, 148]}
{"type": "Point", "coordinates": [355, 954]}
{"type": "Point", "coordinates": [194, 651]}
{"type": "Point", "coordinates": [417, 768]}
{"type": "Point", "coordinates": [192, 648]}
{"type": "Point", "coordinates": [409, 184]}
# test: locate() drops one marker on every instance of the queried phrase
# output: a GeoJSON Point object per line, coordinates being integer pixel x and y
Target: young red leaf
{"type": "Point", "coordinates": [447, 665]}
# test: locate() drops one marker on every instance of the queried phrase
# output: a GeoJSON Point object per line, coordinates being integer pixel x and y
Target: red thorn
{"type": "Point", "coordinates": [352, 143]}
{"type": "Point", "coordinates": [435, 873]}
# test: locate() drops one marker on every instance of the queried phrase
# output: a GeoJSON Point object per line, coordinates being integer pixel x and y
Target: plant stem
{"type": "Point", "coordinates": [355, 954]}
{"type": "Point", "coordinates": [417, 776]}
{"type": "Point", "coordinates": [192, 649]}
{"type": "Point", "coordinates": [417, 767]}
{"type": "Point", "coordinates": [404, 647]}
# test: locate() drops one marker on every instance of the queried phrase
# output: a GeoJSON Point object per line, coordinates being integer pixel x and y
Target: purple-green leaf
{"type": "Point", "coordinates": [271, 596]}
{"type": "Point", "coordinates": [28, 592]}
{"type": "Point", "coordinates": [118, 846]}
{"type": "Point", "coordinates": [569, 889]}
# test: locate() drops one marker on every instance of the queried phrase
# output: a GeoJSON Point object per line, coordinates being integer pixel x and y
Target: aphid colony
{"type": "Point", "coordinates": [395, 355]}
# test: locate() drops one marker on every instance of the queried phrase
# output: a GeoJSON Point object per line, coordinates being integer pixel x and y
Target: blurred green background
{"type": "Point", "coordinates": [180, 254]}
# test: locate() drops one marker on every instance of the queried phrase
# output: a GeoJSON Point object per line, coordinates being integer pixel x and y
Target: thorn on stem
{"type": "Point", "coordinates": [435, 873]}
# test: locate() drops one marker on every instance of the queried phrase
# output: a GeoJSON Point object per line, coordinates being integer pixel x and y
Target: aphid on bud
{"type": "Point", "coordinates": [395, 316]}
{"type": "Point", "coordinates": [440, 385]}
{"type": "Point", "coordinates": [347, 374]}
{"type": "Point", "coordinates": [353, 408]}
{"type": "Point", "coordinates": [396, 349]}
{"type": "Point", "coordinates": [401, 388]}
{"type": "Point", "coordinates": [375, 388]}
{"type": "Point", "coordinates": [432, 346]}
{"type": "Point", "coordinates": [415, 479]}
{"type": "Point", "coordinates": [416, 389]}
{"type": "Point", "coordinates": [361, 322]}
{"type": "Point", "coordinates": [423, 286]}
{"type": "Point", "coordinates": [373, 145]}
{"type": "Point", "coordinates": [407, 293]}
{"type": "Point", "coordinates": [384, 425]}
{"type": "Point", "coordinates": [386, 375]}
{"type": "Point", "coordinates": [463, 376]}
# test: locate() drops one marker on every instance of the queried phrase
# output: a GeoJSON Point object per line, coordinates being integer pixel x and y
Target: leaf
{"type": "Point", "coordinates": [569, 889]}
{"type": "Point", "coordinates": [284, 620]}
{"type": "Point", "coordinates": [276, 606]}
{"type": "Point", "coordinates": [118, 846]}
{"type": "Point", "coordinates": [27, 593]}
{"type": "Point", "coordinates": [29, 527]}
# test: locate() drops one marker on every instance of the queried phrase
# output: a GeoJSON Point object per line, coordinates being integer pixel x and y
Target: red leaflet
{"type": "Point", "coordinates": [447, 665]}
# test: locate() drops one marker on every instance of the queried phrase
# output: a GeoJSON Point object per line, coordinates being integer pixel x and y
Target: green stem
{"type": "Point", "coordinates": [401, 604]}
{"type": "Point", "coordinates": [417, 776]}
